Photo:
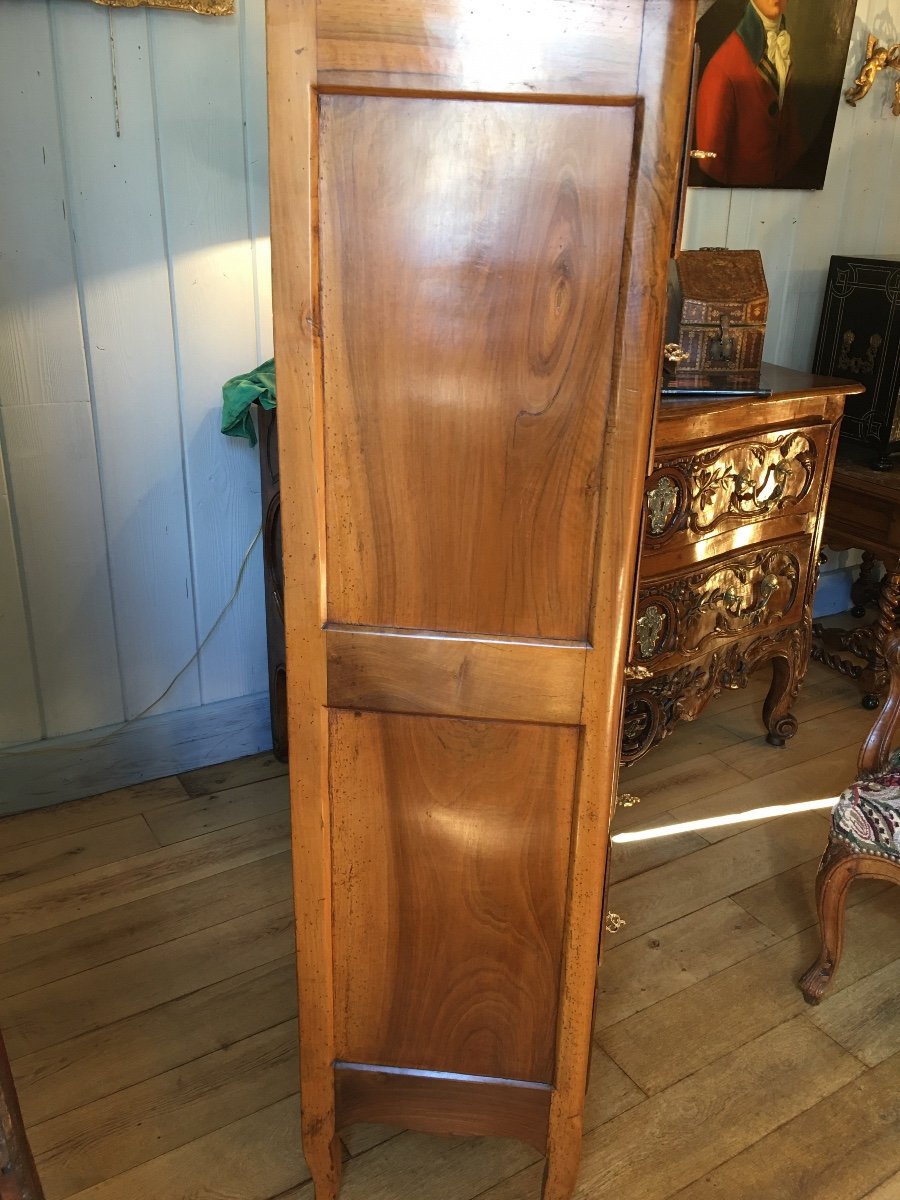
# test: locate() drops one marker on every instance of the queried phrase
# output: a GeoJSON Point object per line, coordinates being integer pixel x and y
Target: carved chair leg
{"type": "Point", "coordinates": [837, 870]}
{"type": "Point", "coordinates": [777, 717]}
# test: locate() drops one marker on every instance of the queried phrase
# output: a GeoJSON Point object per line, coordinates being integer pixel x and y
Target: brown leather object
{"type": "Point", "coordinates": [718, 304]}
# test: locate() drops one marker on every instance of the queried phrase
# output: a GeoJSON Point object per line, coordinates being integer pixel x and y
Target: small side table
{"type": "Point", "coordinates": [863, 511]}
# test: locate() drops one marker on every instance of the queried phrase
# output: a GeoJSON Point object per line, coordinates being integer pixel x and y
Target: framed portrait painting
{"type": "Point", "coordinates": [770, 80]}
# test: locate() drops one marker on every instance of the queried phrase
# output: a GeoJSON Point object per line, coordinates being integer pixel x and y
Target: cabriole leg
{"type": "Point", "coordinates": [836, 872]}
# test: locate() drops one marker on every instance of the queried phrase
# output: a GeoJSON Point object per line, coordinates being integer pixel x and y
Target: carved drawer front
{"type": "Point", "coordinates": [694, 494]}
{"type": "Point", "coordinates": [689, 613]}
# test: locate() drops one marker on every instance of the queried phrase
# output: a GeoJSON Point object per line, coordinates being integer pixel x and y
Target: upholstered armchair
{"type": "Point", "coordinates": [864, 838]}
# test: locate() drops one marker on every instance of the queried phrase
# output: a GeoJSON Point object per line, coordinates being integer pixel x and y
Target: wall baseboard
{"type": "Point", "coordinates": [85, 764]}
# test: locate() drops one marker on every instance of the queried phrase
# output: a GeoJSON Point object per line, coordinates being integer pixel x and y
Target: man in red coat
{"type": "Point", "coordinates": [745, 109]}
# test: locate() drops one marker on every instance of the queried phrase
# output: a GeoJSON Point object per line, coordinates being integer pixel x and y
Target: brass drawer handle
{"type": "Point", "coordinates": [768, 585]}
{"type": "Point", "coordinates": [614, 922]}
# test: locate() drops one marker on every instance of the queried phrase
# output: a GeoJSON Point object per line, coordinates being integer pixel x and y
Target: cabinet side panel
{"type": "Point", "coordinates": [471, 256]}
{"type": "Point", "coordinates": [450, 844]}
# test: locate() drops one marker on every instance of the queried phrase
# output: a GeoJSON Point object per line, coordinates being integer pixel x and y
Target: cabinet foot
{"type": "Point", "coordinates": [777, 717]}
{"type": "Point", "coordinates": [323, 1157]}
{"type": "Point", "coordinates": [561, 1174]}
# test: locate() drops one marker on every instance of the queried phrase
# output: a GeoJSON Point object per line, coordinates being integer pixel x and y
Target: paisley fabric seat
{"type": "Point", "coordinates": [867, 815]}
{"type": "Point", "coordinates": [864, 839]}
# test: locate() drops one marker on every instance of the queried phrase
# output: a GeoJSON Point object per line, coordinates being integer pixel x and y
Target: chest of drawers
{"type": "Point", "coordinates": [733, 522]}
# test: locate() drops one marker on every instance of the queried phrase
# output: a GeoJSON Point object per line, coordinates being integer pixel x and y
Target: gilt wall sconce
{"type": "Point", "coordinates": [877, 58]}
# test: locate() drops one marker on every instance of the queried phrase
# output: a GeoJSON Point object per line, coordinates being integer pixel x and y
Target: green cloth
{"type": "Point", "coordinates": [240, 393]}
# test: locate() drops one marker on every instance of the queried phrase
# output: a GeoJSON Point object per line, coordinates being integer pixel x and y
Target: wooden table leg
{"type": "Point", "coordinates": [865, 644]}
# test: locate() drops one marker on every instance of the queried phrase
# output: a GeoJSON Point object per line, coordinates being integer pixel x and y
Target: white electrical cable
{"type": "Point", "coordinates": [36, 747]}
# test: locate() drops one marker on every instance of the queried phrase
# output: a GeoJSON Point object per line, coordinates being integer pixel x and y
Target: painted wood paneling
{"type": "Point", "coordinates": [20, 715]}
{"type": "Point", "coordinates": [53, 479]}
{"type": "Point", "coordinates": [122, 261]}
{"type": "Point", "coordinates": [68, 768]}
{"type": "Point", "coordinates": [45, 420]}
{"type": "Point", "coordinates": [41, 350]}
{"type": "Point", "coordinates": [204, 186]}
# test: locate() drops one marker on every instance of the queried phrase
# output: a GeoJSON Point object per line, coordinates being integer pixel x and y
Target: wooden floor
{"type": "Point", "coordinates": [147, 993]}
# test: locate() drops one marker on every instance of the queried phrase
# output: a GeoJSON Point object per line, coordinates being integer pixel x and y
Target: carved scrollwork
{"type": "Point", "coordinates": [653, 708]}
{"type": "Point", "coordinates": [731, 483]}
{"type": "Point", "coordinates": [685, 614]}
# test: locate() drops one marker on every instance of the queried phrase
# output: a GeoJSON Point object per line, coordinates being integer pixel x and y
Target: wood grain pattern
{"type": "Point", "coordinates": [490, 237]}
{"type": "Point", "coordinates": [451, 851]}
{"type": "Point", "coordinates": [466, 411]}
{"type": "Point", "coordinates": [570, 47]}
{"type": "Point", "coordinates": [55, 903]}
{"type": "Point", "coordinates": [437, 1104]}
{"type": "Point", "coordinates": [292, 50]}
{"type": "Point", "coordinates": [665, 53]}
{"type": "Point", "coordinates": [76, 1149]}
{"type": "Point", "coordinates": [725, 1044]}
{"type": "Point", "coordinates": [465, 677]}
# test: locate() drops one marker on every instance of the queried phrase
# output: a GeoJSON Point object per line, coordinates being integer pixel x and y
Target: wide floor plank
{"type": "Point", "coordinates": [36, 909]}
{"type": "Point", "coordinates": [147, 992]}
{"type": "Point", "coordinates": [83, 1147]}
{"type": "Point", "coordinates": [117, 1055]}
{"type": "Point", "coordinates": [31, 960]}
{"type": "Point", "coordinates": [688, 1031]}
{"type": "Point", "coordinates": [50, 1014]}
{"type": "Point", "coordinates": [840, 1147]}
{"type": "Point", "coordinates": [254, 1158]}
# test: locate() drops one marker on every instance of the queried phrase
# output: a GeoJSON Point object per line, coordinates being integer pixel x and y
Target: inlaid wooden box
{"type": "Point", "coordinates": [718, 304]}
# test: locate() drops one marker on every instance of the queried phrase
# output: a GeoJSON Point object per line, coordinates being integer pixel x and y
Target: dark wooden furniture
{"type": "Point", "coordinates": [273, 573]}
{"type": "Point", "coordinates": [18, 1177]}
{"type": "Point", "coordinates": [864, 512]}
{"type": "Point", "coordinates": [735, 506]}
{"type": "Point", "coordinates": [472, 208]}
{"type": "Point", "coordinates": [859, 339]}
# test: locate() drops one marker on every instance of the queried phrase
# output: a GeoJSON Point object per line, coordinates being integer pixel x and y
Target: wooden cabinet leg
{"type": "Point", "coordinates": [836, 872]}
{"type": "Point", "coordinates": [322, 1150]}
{"type": "Point", "coordinates": [777, 717]}
{"type": "Point", "coordinates": [561, 1169]}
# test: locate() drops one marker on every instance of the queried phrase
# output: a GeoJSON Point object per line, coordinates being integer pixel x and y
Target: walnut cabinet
{"type": "Point", "coordinates": [735, 509]}
{"type": "Point", "coordinates": [472, 208]}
